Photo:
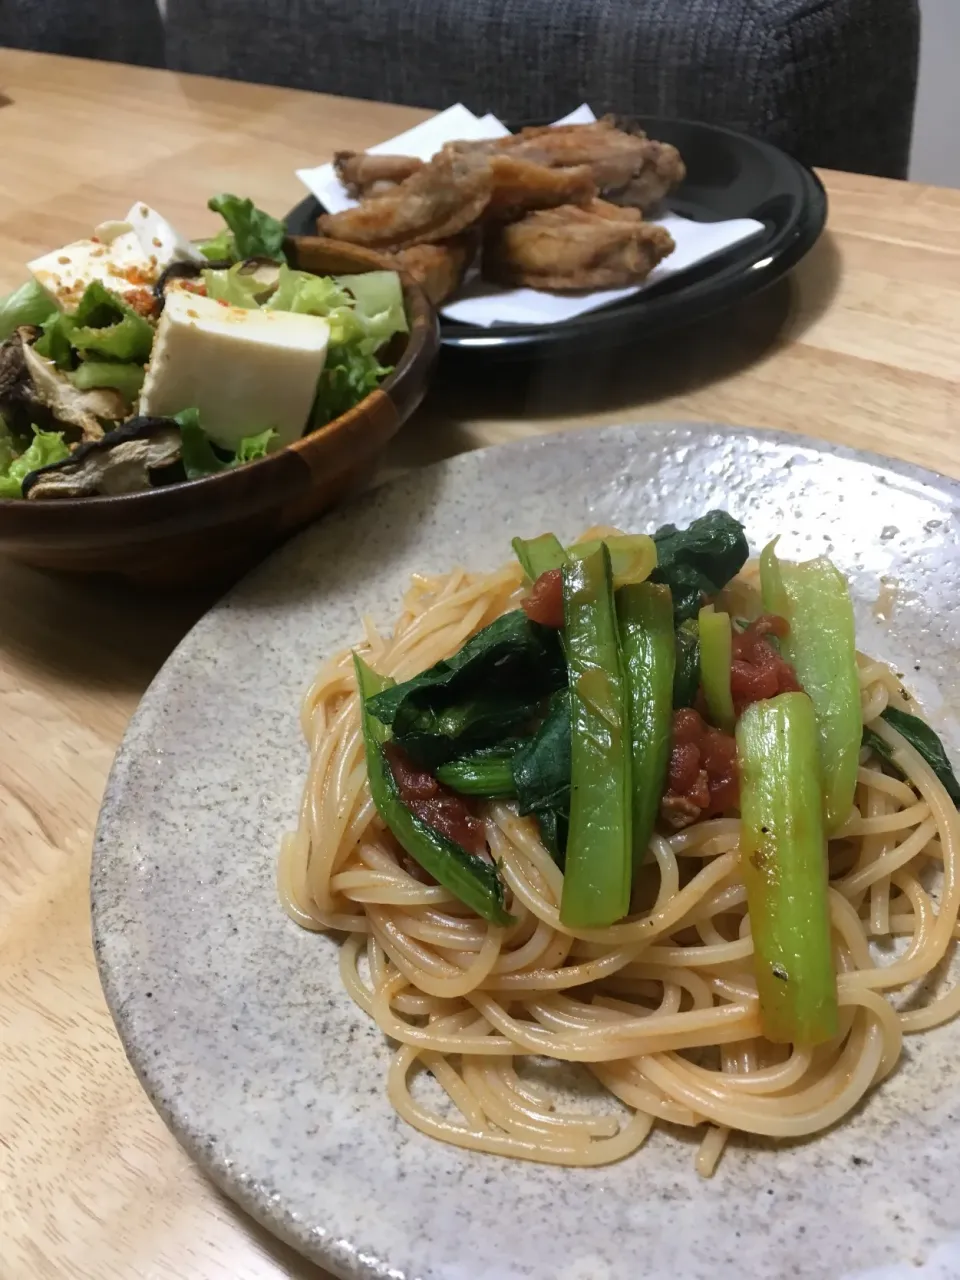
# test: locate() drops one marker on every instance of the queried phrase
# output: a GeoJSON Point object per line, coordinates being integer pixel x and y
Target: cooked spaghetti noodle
{"type": "Point", "coordinates": [661, 1007]}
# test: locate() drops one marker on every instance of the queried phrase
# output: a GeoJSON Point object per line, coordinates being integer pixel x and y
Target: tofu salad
{"type": "Point", "coordinates": [137, 359]}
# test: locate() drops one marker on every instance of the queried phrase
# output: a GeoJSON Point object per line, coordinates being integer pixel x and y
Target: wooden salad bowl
{"type": "Point", "coordinates": [187, 533]}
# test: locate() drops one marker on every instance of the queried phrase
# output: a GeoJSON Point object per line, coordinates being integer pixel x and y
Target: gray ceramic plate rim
{"type": "Point", "coordinates": [117, 912]}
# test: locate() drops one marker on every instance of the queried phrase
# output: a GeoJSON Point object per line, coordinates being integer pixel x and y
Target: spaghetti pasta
{"type": "Point", "coordinates": [661, 1008]}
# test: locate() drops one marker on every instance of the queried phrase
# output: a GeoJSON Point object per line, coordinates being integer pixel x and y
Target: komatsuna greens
{"type": "Point", "coordinates": [571, 723]}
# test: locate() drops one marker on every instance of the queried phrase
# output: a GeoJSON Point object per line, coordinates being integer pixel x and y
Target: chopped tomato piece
{"type": "Point", "coordinates": [544, 604]}
{"type": "Point", "coordinates": [142, 301]}
{"type": "Point", "coordinates": [757, 670]}
{"type": "Point", "coordinates": [446, 812]}
{"type": "Point", "coordinates": [702, 780]}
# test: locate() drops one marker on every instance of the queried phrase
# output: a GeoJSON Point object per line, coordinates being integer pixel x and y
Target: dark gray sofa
{"type": "Point", "coordinates": [118, 30]}
{"type": "Point", "coordinates": [831, 81]}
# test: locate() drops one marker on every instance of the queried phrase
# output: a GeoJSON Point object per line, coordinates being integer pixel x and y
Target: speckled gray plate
{"type": "Point", "coordinates": [235, 1020]}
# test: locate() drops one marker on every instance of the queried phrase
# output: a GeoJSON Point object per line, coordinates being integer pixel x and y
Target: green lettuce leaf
{"type": "Point", "coordinates": [201, 458]}
{"type": "Point", "coordinates": [360, 324]}
{"type": "Point", "coordinates": [107, 327]}
{"type": "Point", "coordinates": [125, 378]}
{"type": "Point", "coordinates": [349, 375]}
{"type": "Point", "coordinates": [8, 450]}
{"type": "Point", "coordinates": [198, 454]}
{"type": "Point", "coordinates": [30, 304]}
{"type": "Point", "coordinates": [310, 295]}
{"type": "Point", "coordinates": [54, 343]}
{"type": "Point", "coordinates": [239, 290]}
{"type": "Point", "coordinates": [253, 447]}
{"type": "Point", "coordinates": [219, 247]}
{"type": "Point", "coordinates": [379, 301]}
{"type": "Point", "coordinates": [255, 233]}
{"type": "Point", "coordinates": [44, 448]}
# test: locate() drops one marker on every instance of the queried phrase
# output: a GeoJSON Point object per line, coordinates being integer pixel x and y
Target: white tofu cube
{"type": "Point", "coordinates": [124, 256]}
{"type": "Point", "coordinates": [159, 239]}
{"type": "Point", "coordinates": [117, 260]}
{"type": "Point", "coordinates": [245, 370]}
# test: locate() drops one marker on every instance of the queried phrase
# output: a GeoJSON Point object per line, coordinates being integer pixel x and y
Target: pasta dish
{"type": "Point", "coordinates": [625, 832]}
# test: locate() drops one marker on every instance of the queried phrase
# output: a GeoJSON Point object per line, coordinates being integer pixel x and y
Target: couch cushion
{"type": "Point", "coordinates": [116, 30]}
{"type": "Point", "coordinates": [833, 81]}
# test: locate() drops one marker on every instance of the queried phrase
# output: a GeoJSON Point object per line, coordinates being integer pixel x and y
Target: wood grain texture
{"type": "Point", "coordinates": [859, 347]}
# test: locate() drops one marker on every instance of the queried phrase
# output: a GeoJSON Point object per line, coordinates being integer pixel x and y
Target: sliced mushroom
{"type": "Point", "coordinates": [85, 410]}
{"type": "Point", "coordinates": [13, 370]}
{"type": "Point", "coordinates": [119, 462]}
{"type": "Point", "coordinates": [33, 392]}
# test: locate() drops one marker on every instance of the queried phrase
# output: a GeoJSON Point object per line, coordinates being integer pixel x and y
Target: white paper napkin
{"type": "Point", "coordinates": [484, 304]}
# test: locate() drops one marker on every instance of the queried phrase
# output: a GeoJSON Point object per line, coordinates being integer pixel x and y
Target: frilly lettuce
{"type": "Point", "coordinates": [219, 247]}
{"type": "Point", "coordinates": [379, 300]}
{"type": "Point", "coordinates": [238, 288]}
{"type": "Point", "coordinates": [364, 312]}
{"type": "Point", "coordinates": [106, 326]}
{"type": "Point", "coordinates": [202, 458]}
{"type": "Point", "coordinates": [125, 378]}
{"type": "Point", "coordinates": [250, 232]}
{"type": "Point", "coordinates": [44, 448]}
{"type": "Point", "coordinates": [252, 447]}
{"type": "Point", "coordinates": [103, 327]}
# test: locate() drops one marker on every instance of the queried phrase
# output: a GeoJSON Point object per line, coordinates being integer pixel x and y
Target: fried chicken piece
{"type": "Point", "coordinates": [520, 186]}
{"type": "Point", "coordinates": [627, 166]}
{"type": "Point", "coordinates": [364, 175]}
{"type": "Point", "coordinates": [662, 172]}
{"type": "Point", "coordinates": [433, 204]}
{"type": "Point", "coordinates": [438, 268]}
{"type": "Point", "coordinates": [597, 247]}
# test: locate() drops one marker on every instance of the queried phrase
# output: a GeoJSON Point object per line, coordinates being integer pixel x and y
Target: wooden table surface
{"type": "Point", "coordinates": [861, 347]}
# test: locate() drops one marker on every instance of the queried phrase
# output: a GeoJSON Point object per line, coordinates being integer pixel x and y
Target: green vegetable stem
{"type": "Point", "coordinates": [633, 556]}
{"type": "Point", "coordinates": [539, 555]}
{"type": "Point", "coordinates": [783, 854]}
{"type": "Point", "coordinates": [821, 644]}
{"type": "Point", "coordinates": [484, 773]}
{"type": "Point", "coordinates": [596, 886]}
{"type": "Point", "coordinates": [645, 611]}
{"type": "Point", "coordinates": [686, 679]}
{"type": "Point", "coordinates": [541, 775]}
{"type": "Point", "coordinates": [716, 654]}
{"type": "Point", "coordinates": [473, 879]}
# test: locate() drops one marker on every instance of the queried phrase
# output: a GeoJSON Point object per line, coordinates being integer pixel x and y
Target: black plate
{"type": "Point", "coordinates": [729, 175]}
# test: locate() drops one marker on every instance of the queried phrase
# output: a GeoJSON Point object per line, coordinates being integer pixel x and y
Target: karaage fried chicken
{"type": "Point", "coordinates": [438, 268]}
{"type": "Point", "coordinates": [436, 202]}
{"type": "Point", "coordinates": [600, 246]}
{"type": "Point", "coordinates": [628, 167]}
{"type": "Point", "coordinates": [364, 175]}
{"type": "Point", "coordinates": [534, 196]}
{"type": "Point", "coordinates": [520, 186]}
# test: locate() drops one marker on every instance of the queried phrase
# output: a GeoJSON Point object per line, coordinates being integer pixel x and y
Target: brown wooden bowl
{"type": "Point", "coordinates": [201, 529]}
